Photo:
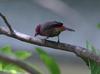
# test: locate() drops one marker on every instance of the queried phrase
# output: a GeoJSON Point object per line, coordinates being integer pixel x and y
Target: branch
{"type": "Point", "coordinates": [19, 63]}
{"type": "Point", "coordinates": [79, 51]}
{"type": "Point", "coordinates": [6, 22]}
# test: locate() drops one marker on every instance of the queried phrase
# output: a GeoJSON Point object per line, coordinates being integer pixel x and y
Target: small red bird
{"type": "Point", "coordinates": [51, 29]}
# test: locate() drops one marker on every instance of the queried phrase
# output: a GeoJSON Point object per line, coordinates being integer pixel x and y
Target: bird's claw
{"type": "Point", "coordinates": [58, 41]}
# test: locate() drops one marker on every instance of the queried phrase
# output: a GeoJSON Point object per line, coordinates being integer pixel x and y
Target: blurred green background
{"type": "Point", "coordinates": [81, 15]}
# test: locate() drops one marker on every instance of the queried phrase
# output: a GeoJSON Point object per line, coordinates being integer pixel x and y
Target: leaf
{"type": "Point", "coordinates": [90, 47]}
{"type": "Point", "coordinates": [93, 66]}
{"type": "Point", "coordinates": [6, 50]}
{"type": "Point", "coordinates": [1, 68]}
{"type": "Point", "coordinates": [93, 49]}
{"type": "Point", "coordinates": [87, 44]}
{"type": "Point", "coordinates": [23, 54]}
{"type": "Point", "coordinates": [9, 67]}
{"type": "Point", "coordinates": [98, 25]}
{"type": "Point", "coordinates": [13, 69]}
{"type": "Point", "coordinates": [48, 61]}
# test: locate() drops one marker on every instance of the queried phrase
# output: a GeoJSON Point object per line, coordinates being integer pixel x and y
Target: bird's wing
{"type": "Point", "coordinates": [51, 24]}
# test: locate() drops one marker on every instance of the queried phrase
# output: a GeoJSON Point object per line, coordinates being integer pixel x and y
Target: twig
{"type": "Point", "coordinates": [6, 22]}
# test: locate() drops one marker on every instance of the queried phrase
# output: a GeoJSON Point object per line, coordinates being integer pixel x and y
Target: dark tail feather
{"type": "Point", "coordinates": [70, 29]}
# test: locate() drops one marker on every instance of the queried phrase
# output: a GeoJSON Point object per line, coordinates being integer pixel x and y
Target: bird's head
{"type": "Point", "coordinates": [37, 30]}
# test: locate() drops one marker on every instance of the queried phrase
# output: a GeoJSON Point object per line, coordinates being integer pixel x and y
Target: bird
{"type": "Point", "coordinates": [51, 29]}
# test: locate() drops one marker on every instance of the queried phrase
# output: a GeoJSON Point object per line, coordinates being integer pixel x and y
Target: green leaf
{"type": "Point", "coordinates": [87, 44]}
{"type": "Point", "coordinates": [9, 67]}
{"type": "Point", "coordinates": [13, 69]}
{"type": "Point", "coordinates": [90, 47]}
{"type": "Point", "coordinates": [98, 25]}
{"type": "Point", "coordinates": [93, 66]}
{"type": "Point", "coordinates": [93, 49]}
{"type": "Point", "coordinates": [6, 50]}
{"type": "Point", "coordinates": [1, 68]}
{"type": "Point", "coordinates": [21, 54]}
{"type": "Point", "coordinates": [48, 61]}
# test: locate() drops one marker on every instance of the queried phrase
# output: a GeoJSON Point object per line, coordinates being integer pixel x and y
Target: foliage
{"type": "Point", "coordinates": [48, 61]}
{"type": "Point", "coordinates": [23, 55]}
{"type": "Point", "coordinates": [9, 67]}
{"type": "Point", "coordinates": [98, 25]}
{"type": "Point", "coordinates": [93, 66]}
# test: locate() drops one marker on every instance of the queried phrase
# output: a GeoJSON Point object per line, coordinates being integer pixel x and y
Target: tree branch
{"type": "Point", "coordinates": [79, 51]}
{"type": "Point", "coordinates": [6, 22]}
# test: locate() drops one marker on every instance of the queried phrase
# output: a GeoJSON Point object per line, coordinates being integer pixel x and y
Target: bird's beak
{"type": "Point", "coordinates": [69, 29]}
{"type": "Point", "coordinates": [36, 34]}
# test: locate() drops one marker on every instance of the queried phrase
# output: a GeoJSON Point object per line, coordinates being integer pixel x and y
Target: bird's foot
{"type": "Point", "coordinates": [58, 41]}
{"type": "Point", "coordinates": [45, 40]}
